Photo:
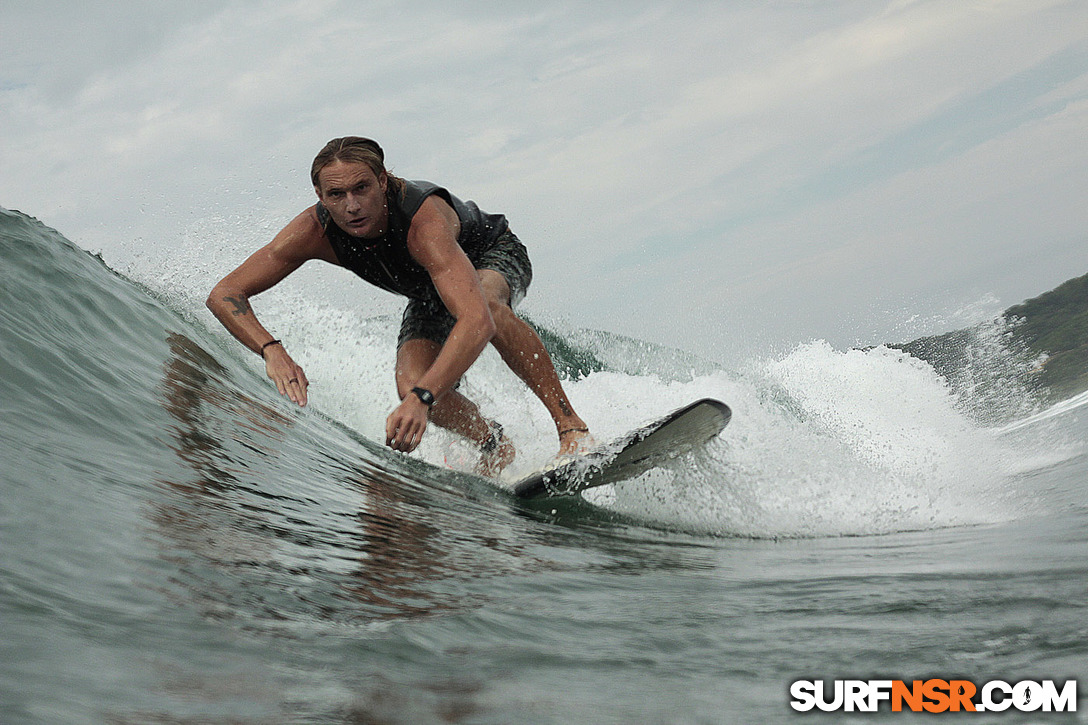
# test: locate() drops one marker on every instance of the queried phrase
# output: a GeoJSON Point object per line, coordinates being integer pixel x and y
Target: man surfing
{"type": "Point", "coordinates": [463, 272]}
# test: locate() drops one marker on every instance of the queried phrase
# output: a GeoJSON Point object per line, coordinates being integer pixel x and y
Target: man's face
{"type": "Point", "coordinates": [355, 198]}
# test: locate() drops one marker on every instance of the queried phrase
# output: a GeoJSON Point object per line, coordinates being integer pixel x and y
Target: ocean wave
{"type": "Point", "coordinates": [823, 442]}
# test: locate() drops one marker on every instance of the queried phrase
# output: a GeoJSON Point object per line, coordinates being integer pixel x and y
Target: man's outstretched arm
{"type": "Point", "coordinates": [229, 299]}
{"type": "Point", "coordinates": [432, 241]}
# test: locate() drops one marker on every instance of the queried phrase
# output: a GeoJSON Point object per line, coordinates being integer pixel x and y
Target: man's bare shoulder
{"type": "Point", "coordinates": [434, 230]}
{"type": "Point", "coordinates": [303, 238]}
{"type": "Point", "coordinates": [435, 209]}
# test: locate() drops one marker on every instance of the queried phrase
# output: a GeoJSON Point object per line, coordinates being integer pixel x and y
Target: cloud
{"type": "Point", "coordinates": [750, 154]}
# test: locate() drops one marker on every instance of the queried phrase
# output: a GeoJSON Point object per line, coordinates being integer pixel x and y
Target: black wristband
{"type": "Point", "coordinates": [424, 395]}
{"type": "Point", "coordinates": [270, 342]}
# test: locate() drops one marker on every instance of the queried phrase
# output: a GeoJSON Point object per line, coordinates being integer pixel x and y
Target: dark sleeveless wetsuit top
{"type": "Point", "coordinates": [386, 262]}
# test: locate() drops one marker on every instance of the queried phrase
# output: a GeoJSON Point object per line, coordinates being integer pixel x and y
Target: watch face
{"type": "Point", "coordinates": [424, 395]}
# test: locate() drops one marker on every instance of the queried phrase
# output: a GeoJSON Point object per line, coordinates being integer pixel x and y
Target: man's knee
{"type": "Point", "coordinates": [405, 383]}
{"type": "Point", "coordinates": [494, 286]}
{"type": "Point", "coordinates": [503, 316]}
{"type": "Point", "coordinates": [414, 358]}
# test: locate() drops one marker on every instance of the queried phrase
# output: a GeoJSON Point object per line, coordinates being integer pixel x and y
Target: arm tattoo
{"type": "Point", "coordinates": [241, 305]}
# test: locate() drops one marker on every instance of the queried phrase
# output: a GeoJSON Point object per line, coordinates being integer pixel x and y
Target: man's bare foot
{"type": "Point", "coordinates": [575, 440]}
{"type": "Point", "coordinates": [496, 453]}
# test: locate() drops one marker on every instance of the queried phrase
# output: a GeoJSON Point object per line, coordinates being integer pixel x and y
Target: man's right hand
{"type": "Point", "coordinates": [289, 378]}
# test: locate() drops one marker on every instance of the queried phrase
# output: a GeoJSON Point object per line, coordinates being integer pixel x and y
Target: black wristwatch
{"type": "Point", "coordinates": [424, 395]}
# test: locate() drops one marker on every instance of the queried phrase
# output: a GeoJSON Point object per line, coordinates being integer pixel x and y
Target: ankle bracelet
{"type": "Point", "coordinates": [492, 443]}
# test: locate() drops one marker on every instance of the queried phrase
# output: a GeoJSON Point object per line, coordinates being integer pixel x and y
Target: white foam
{"type": "Point", "coordinates": [830, 443]}
{"type": "Point", "coordinates": [822, 442]}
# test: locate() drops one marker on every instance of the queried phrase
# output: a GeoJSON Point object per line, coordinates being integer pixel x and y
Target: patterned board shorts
{"type": "Point", "coordinates": [429, 319]}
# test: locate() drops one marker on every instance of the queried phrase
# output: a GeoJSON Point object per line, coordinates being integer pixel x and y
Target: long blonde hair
{"type": "Point", "coordinates": [353, 149]}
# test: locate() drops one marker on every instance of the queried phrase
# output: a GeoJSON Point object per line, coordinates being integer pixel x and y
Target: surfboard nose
{"type": "Point", "coordinates": [631, 454]}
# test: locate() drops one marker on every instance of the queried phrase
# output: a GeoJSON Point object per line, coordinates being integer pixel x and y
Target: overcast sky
{"type": "Point", "coordinates": [710, 175]}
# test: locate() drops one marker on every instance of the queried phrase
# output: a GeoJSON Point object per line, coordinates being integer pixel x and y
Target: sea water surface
{"type": "Point", "coordinates": [180, 545]}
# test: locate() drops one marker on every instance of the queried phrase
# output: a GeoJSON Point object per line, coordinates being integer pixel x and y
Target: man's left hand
{"type": "Point", "coordinates": [404, 427]}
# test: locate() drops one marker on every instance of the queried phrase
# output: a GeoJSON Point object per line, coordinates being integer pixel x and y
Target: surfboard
{"type": "Point", "coordinates": [631, 454]}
